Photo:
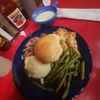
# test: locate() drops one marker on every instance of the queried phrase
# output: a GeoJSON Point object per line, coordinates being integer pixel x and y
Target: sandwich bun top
{"type": "Point", "coordinates": [48, 48]}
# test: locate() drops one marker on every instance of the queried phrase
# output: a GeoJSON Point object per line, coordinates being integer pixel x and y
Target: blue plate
{"type": "Point", "coordinates": [32, 92]}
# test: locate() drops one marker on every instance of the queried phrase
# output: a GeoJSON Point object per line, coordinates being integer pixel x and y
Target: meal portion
{"type": "Point", "coordinates": [54, 59]}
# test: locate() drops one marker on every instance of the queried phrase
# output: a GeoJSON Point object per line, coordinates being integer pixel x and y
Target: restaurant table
{"type": "Point", "coordinates": [89, 30]}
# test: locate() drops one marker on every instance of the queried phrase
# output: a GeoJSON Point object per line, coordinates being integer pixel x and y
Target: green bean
{"type": "Point", "coordinates": [55, 66]}
{"type": "Point", "coordinates": [57, 63]}
{"type": "Point", "coordinates": [53, 74]}
{"type": "Point", "coordinates": [49, 78]}
{"type": "Point", "coordinates": [67, 59]}
{"type": "Point", "coordinates": [62, 74]}
{"type": "Point", "coordinates": [74, 59]}
{"type": "Point", "coordinates": [74, 55]}
{"type": "Point", "coordinates": [66, 67]}
{"type": "Point", "coordinates": [54, 78]}
{"type": "Point", "coordinates": [72, 66]}
{"type": "Point", "coordinates": [65, 84]}
{"type": "Point", "coordinates": [63, 57]}
{"type": "Point", "coordinates": [82, 70]}
{"type": "Point", "coordinates": [42, 87]}
{"type": "Point", "coordinates": [77, 65]}
{"type": "Point", "coordinates": [62, 68]}
{"type": "Point", "coordinates": [71, 62]}
{"type": "Point", "coordinates": [67, 87]}
{"type": "Point", "coordinates": [59, 71]}
{"type": "Point", "coordinates": [61, 83]}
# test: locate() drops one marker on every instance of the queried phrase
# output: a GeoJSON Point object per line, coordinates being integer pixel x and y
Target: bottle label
{"type": "Point", "coordinates": [17, 18]}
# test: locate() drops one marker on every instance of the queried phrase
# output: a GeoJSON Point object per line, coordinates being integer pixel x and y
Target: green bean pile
{"type": "Point", "coordinates": [69, 65]}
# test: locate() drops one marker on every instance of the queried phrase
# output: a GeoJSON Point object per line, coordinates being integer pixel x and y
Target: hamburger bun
{"type": "Point", "coordinates": [48, 48]}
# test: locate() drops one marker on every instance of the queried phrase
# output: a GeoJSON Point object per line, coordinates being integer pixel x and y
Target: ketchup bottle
{"type": "Point", "coordinates": [10, 10]}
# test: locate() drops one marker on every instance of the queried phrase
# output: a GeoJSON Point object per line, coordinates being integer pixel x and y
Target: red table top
{"type": "Point", "coordinates": [89, 30]}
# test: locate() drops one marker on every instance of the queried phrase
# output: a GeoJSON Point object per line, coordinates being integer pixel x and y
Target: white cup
{"type": "Point", "coordinates": [5, 66]}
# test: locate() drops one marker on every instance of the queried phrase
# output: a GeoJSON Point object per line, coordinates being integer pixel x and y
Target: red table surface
{"type": "Point", "coordinates": [89, 30]}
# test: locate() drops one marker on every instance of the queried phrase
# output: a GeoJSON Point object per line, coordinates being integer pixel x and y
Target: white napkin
{"type": "Point", "coordinates": [5, 66]}
{"type": "Point", "coordinates": [83, 14]}
{"type": "Point", "coordinates": [22, 33]}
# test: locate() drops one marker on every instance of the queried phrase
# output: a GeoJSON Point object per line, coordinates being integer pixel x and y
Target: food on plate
{"type": "Point", "coordinates": [31, 42]}
{"type": "Point", "coordinates": [35, 68]}
{"type": "Point", "coordinates": [28, 51]}
{"type": "Point", "coordinates": [48, 48]}
{"type": "Point", "coordinates": [68, 36]}
{"type": "Point", "coordinates": [54, 58]}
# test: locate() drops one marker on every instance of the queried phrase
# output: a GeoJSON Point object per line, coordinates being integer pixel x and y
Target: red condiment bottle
{"type": "Point", "coordinates": [4, 44]}
{"type": "Point", "coordinates": [10, 10]}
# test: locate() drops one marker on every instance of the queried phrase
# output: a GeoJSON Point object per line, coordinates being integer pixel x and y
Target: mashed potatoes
{"type": "Point", "coordinates": [35, 68]}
